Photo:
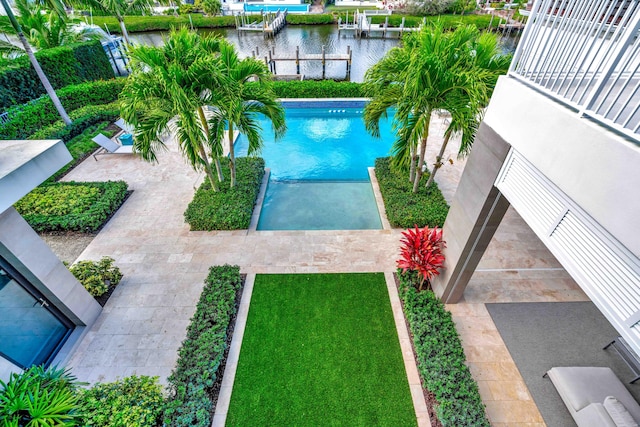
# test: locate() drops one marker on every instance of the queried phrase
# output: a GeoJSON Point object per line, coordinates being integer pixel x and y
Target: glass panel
{"type": "Point", "coordinates": [29, 332]}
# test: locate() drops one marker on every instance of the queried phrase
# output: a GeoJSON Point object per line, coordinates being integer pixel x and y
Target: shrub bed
{"type": "Point", "coordinates": [130, 402]}
{"type": "Point", "coordinates": [441, 359]}
{"type": "Point", "coordinates": [64, 66]}
{"type": "Point", "coordinates": [192, 383]}
{"type": "Point", "coordinates": [71, 206]}
{"type": "Point", "coordinates": [25, 120]}
{"type": "Point", "coordinates": [449, 22]}
{"type": "Point", "coordinates": [163, 23]}
{"type": "Point", "coordinates": [310, 19]}
{"type": "Point", "coordinates": [227, 209]}
{"type": "Point", "coordinates": [404, 208]}
{"type": "Point", "coordinates": [317, 89]}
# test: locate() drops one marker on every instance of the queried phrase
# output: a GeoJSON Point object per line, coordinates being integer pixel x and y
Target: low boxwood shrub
{"type": "Point", "coordinates": [441, 359]}
{"type": "Point", "coordinates": [130, 402]}
{"type": "Point", "coordinates": [317, 89]}
{"type": "Point", "coordinates": [97, 276]}
{"type": "Point", "coordinates": [229, 208]}
{"type": "Point", "coordinates": [24, 120]}
{"type": "Point", "coordinates": [405, 209]}
{"type": "Point", "coordinates": [191, 384]}
{"type": "Point", "coordinates": [64, 66]}
{"type": "Point", "coordinates": [82, 118]}
{"type": "Point", "coordinates": [71, 206]}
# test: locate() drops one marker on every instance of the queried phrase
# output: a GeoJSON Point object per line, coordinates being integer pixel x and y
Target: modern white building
{"type": "Point", "coordinates": [44, 308]}
{"type": "Point", "coordinates": [560, 143]}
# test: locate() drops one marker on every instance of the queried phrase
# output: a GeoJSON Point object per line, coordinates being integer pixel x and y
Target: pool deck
{"type": "Point", "coordinates": [164, 266]}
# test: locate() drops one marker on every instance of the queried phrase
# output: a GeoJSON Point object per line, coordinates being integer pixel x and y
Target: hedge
{"type": "Point", "coordinates": [441, 359]}
{"type": "Point", "coordinates": [310, 19]}
{"type": "Point", "coordinates": [25, 120]}
{"type": "Point", "coordinates": [71, 206]}
{"type": "Point", "coordinates": [404, 208]}
{"type": "Point", "coordinates": [449, 22]}
{"type": "Point", "coordinates": [229, 208]}
{"type": "Point", "coordinates": [81, 118]}
{"type": "Point", "coordinates": [64, 66]}
{"type": "Point", "coordinates": [163, 23]}
{"type": "Point", "coordinates": [317, 89]}
{"type": "Point", "coordinates": [191, 384]}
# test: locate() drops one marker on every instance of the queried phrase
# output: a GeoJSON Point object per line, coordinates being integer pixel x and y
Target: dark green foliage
{"type": "Point", "coordinates": [229, 208]}
{"type": "Point", "coordinates": [159, 23]}
{"type": "Point", "coordinates": [77, 206]}
{"type": "Point", "coordinates": [310, 19]}
{"type": "Point", "coordinates": [130, 402]}
{"type": "Point", "coordinates": [441, 359]}
{"type": "Point", "coordinates": [317, 89]}
{"type": "Point", "coordinates": [24, 120]}
{"type": "Point", "coordinates": [449, 22]}
{"type": "Point", "coordinates": [64, 66]}
{"type": "Point", "coordinates": [81, 118]}
{"type": "Point", "coordinates": [405, 209]}
{"type": "Point", "coordinates": [94, 275]}
{"type": "Point", "coordinates": [191, 382]}
{"type": "Point", "coordinates": [39, 397]}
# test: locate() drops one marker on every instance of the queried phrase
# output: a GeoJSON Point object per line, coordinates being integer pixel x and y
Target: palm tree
{"type": "Point", "coordinates": [169, 88]}
{"type": "Point", "coordinates": [487, 56]}
{"type": "Point", "coordinates": [432, 71]}
{"type": "Point", "coordinates": [59, 8]}
{"type": "Point", "coordinates": [250, 94]}
{"type": "Point", "coordinates": [119, 9]}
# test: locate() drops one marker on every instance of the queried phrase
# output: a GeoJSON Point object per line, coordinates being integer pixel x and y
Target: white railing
{"type": "Point", "coordinates": [585, 53]}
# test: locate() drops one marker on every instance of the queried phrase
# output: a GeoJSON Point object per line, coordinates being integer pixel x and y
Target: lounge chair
{"type": "Point", "coordinates": [108, 146]}
{"type": "Point", "coordinates": [126, 127]}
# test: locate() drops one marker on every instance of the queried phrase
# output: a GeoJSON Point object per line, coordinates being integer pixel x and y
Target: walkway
{"type": "Point", "coordinates": [164, 265]}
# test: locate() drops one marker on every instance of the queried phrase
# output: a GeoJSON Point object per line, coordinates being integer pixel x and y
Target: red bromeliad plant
{"type": "Point", "coordinates": [421, 252]}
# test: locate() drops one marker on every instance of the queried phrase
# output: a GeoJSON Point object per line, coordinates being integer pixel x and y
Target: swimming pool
{"type": "Point", "coordinates": [319, 171]}
{"type": "Point", "coordinates": [261, 7]}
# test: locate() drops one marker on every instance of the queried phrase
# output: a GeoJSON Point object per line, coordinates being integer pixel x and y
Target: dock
{"type": "Point", "coordinates": [271, 59]}
{"type": "Point", "coordinates": [361, 26]}
{"type": "Point", "coordinates": [270, 23]}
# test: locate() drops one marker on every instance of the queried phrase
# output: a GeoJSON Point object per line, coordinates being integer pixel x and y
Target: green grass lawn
{"type": "Point", "coordinates": [318, 350]}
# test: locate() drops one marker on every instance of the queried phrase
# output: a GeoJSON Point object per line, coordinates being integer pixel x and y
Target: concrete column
{"type": "Point", "coordinates": [476, 211]}
{"type": "Point", "coordinates": [33, 259]}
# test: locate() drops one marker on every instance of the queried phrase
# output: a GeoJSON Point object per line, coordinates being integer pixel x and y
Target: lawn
{"type": "Point", "coordinates": [321, 349]}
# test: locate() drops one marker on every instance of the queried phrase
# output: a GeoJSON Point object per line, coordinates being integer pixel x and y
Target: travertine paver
{"type": "Point", "coordinates": [165, 264]}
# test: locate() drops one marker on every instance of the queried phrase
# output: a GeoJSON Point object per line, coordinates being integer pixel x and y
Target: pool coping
{"type": "Point", "coordinates": [402, 331]}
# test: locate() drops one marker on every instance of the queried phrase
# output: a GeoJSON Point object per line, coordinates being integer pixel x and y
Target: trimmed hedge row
{"type": "Point", "coordinates": [311, 19]}
{"type": "Point", "coordinates": [71, 206]}
{"type": "Point", "coordinates": [25, 120]}
{"type": "Point", "coordinates": [441, 359]}
{"type": "Point", "coordinates": [449, 22]}
{"type": "Point", "coordinates": [404, 208]}
{"type": "Point", "coordinates": [64, 66]}
{"type": "Point", "coordinates": [163, 23]}
{"type": "Point", "coordinates": [192, 381]}
{"type": "Point", "coordinates": [317, 89]}
{"type": "Point", "coordinates": [227, 209]}
{"type": "Point", "coordinates": [81, 118]}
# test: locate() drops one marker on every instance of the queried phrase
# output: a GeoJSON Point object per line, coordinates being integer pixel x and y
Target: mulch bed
{"type": "Point", "coordinates": [429, 397]}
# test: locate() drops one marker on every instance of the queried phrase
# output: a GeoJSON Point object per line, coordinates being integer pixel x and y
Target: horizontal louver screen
{"type": "Point", "coordinates": [607, 272]}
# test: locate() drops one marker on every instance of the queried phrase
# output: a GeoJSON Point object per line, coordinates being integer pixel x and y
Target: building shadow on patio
{"type": "Point", "coordinates": [540, 336]}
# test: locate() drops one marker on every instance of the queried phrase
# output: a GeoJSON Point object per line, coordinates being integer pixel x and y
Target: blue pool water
{"type": "Point", "coordinates": [275, 7]}
{"type": "Point", "coordinates": [319, 170]}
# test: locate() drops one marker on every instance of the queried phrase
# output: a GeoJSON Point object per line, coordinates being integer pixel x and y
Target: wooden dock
{"type": "Point", "coordinates": [271, 59]}
{"type": "Point", "coordinates": [361, 26]}
{"type": "Point", "coordinates": [270, 23]}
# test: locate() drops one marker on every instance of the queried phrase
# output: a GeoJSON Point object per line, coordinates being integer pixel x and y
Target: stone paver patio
{"type": "Point", "coordinates": [164, 266]}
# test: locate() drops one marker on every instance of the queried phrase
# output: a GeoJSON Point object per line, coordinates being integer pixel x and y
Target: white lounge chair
{"type": "Point", "coordinates": [108, 146]}
{"type": "Point", "coordinates": [126, 127]}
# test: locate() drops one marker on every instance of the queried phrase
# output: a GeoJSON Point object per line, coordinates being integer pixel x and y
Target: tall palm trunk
{"type": "Point", "coordinates": [423, 150]}
{"type": "Point", "coordinates": [232, 156]}
{"type": "Point", "coordinates": [36, 65]}
{"type": "Point", "coordinates": [412, 166]}
{"type": "Point", "coordinates": [203, 152]}
{"type": "Point", "coordinates": [438, 164]}
{"type": "Point", "coordinates": [123, 28]}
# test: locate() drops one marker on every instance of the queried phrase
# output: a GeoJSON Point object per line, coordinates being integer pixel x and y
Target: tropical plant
{"type": "Point", "coordinates": [249, 94]}
{"type": "Point", "coordinates": [211, 7]}
{"type": "Point", "coordinates": [169, 88]}
{"type": "Point", "coordinates": [39, 397]}
{"type": "Point", "coordinates": [47, 29]}
{"type": "Point", "coordinates": [97, 276]}
{"type": "Point", "coordinates": [433, 71]}
{"type": "Point", "coordinates": [59, 8]}
{"type": "Point", "coordinates": [421, 253]}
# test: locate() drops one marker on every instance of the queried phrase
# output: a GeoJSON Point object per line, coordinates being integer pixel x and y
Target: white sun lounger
{"type": "Point", "coordinates": [126, 127]}
{"type": "Point", "coordinates": [108, 146]}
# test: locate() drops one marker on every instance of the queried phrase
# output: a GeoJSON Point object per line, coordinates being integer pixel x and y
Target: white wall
{"type": "Point", "coordinates": [7, 368]}
{"type": "Point", "coordinates": [598, 169]}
